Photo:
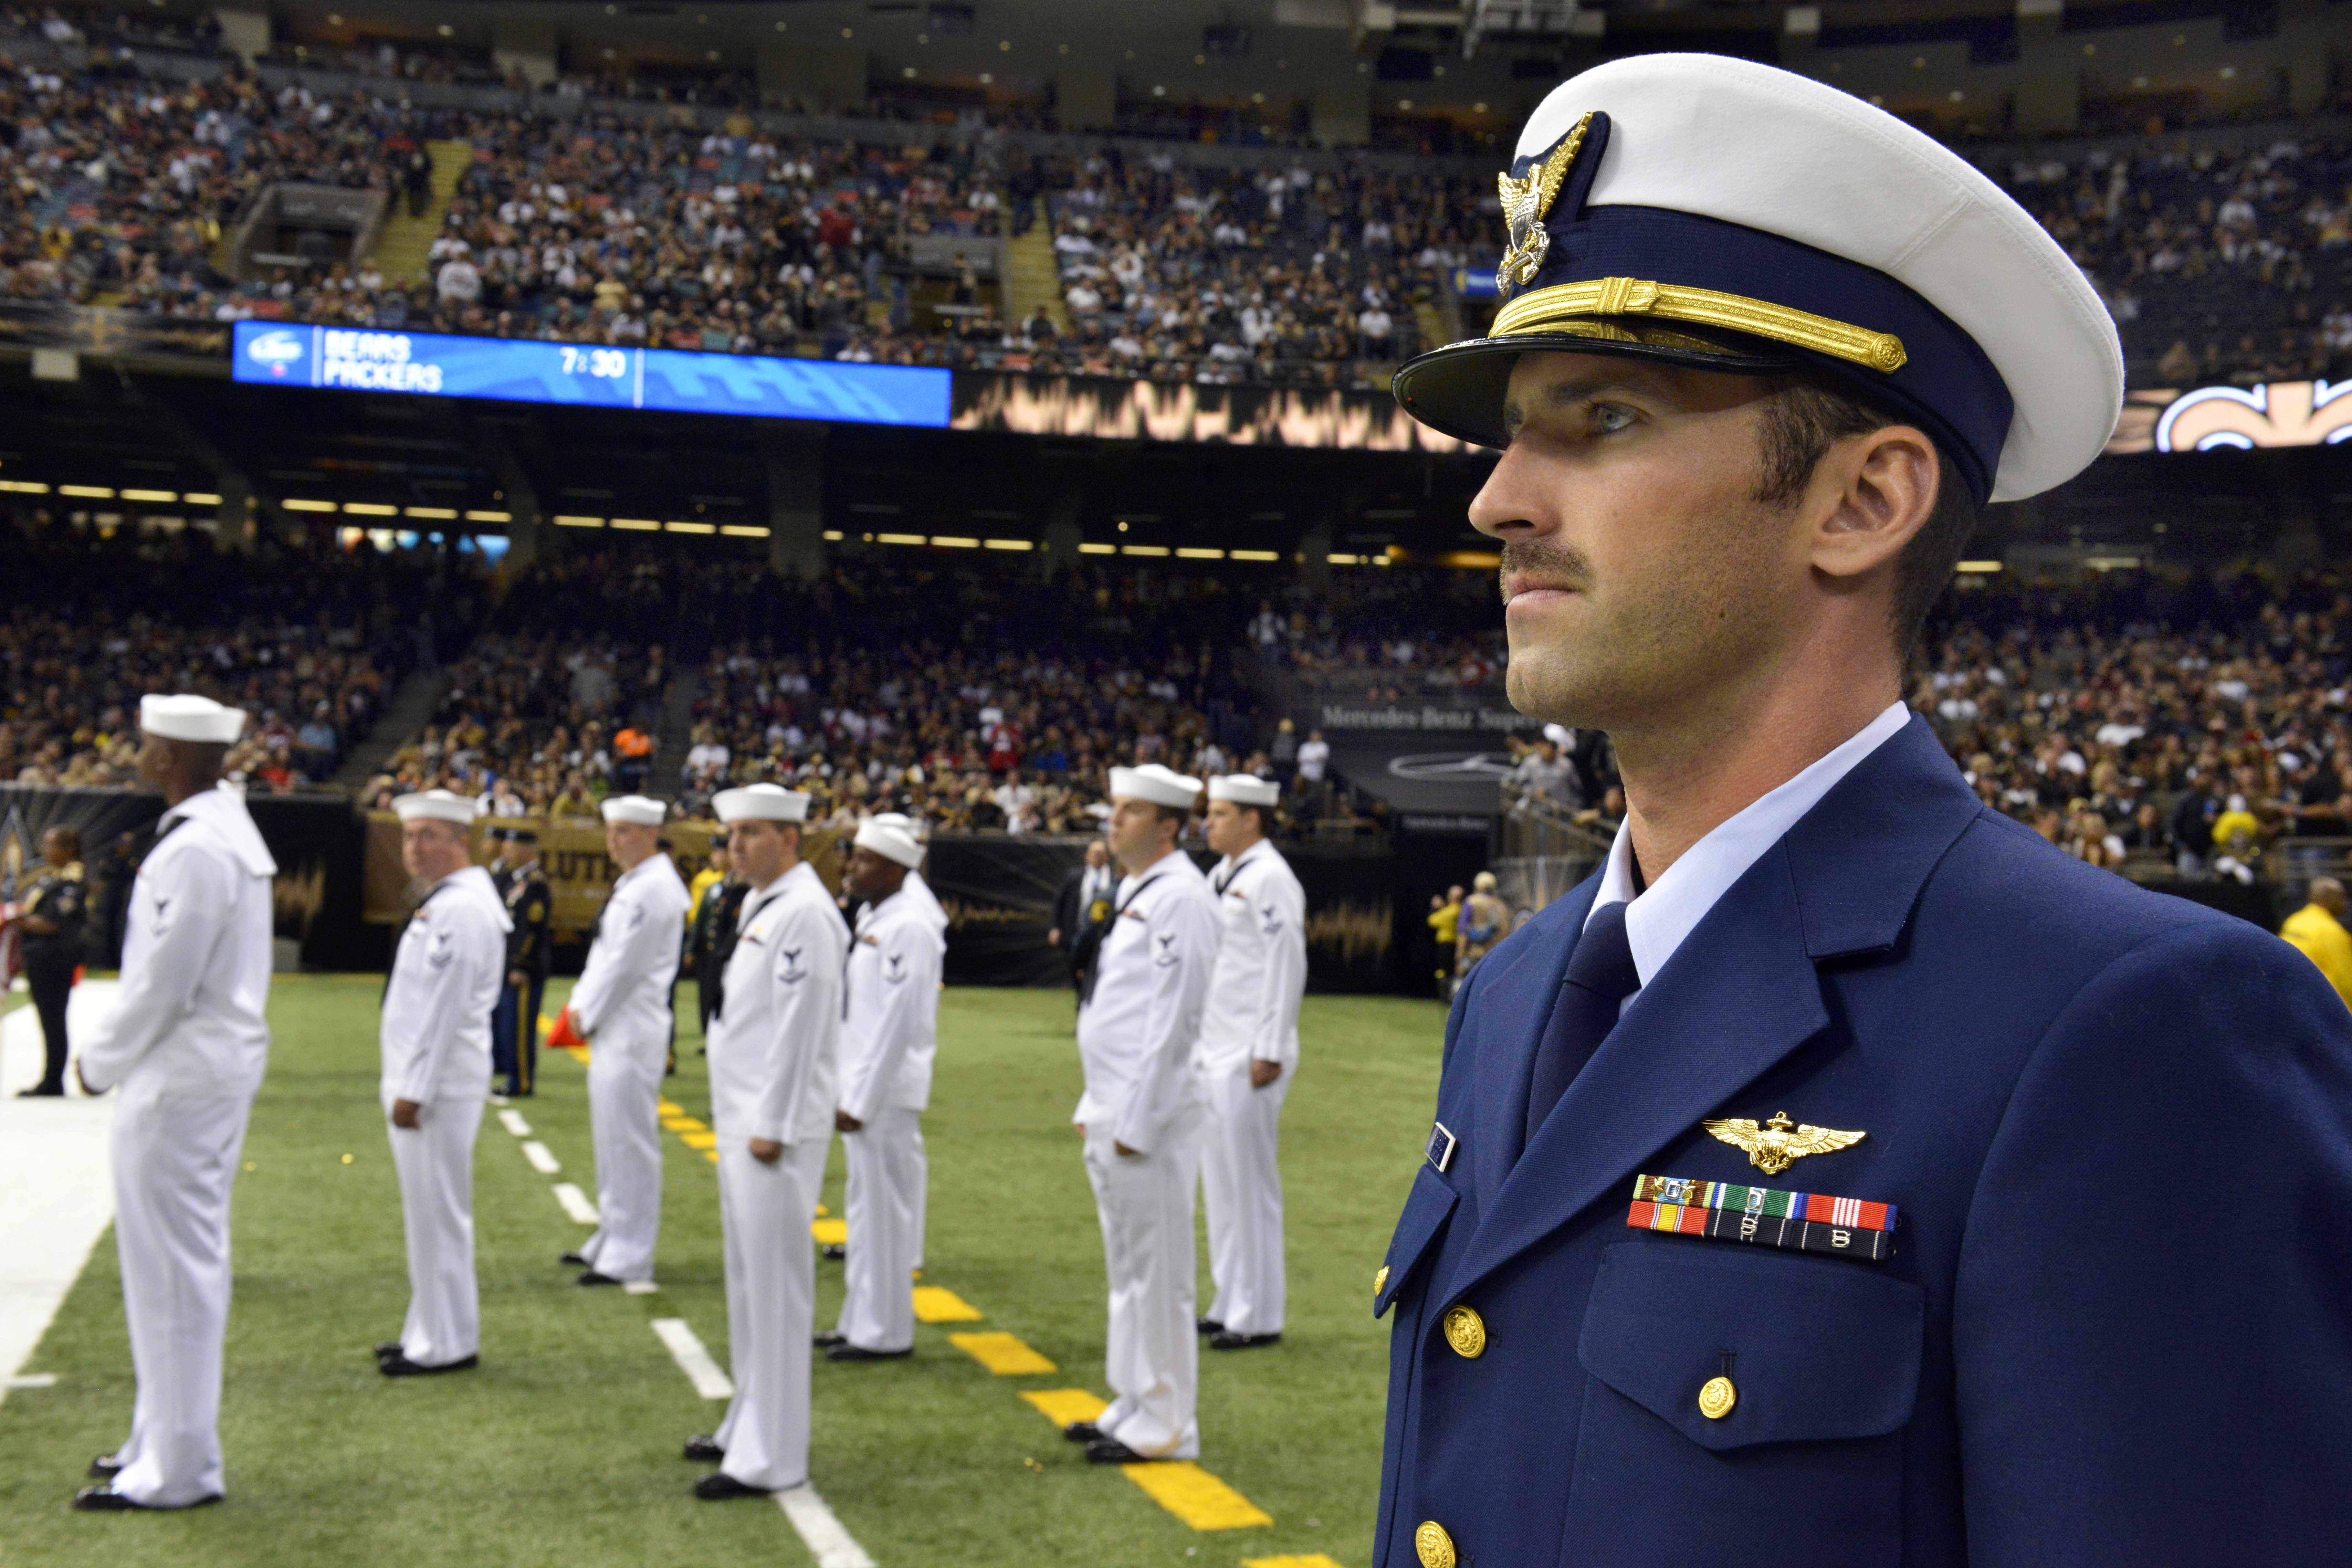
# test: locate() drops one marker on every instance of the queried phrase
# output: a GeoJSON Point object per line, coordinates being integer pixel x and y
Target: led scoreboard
{"type": "Point", "coordinates": [434, 365]}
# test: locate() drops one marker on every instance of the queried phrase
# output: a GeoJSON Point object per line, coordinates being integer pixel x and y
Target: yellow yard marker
{"type": "Point", "coordinates": [699, 1140]}
{"type": "Point", "coordinates": [681, 1124]}
{"type": "Point", "coordinates": [1001, 1354]}
{"type": "Point", "coordinates": [1064, 1405]}
{"type": "Point", "coordinates": [1195, 1495]}
{"type": "Point", "coordinates": [937, 1304]}
{"type": "Point", "coordinates": [830, 1232]}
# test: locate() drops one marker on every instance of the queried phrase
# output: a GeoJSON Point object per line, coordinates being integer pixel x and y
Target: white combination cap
{"type": "Point", "coordinates": [892, 836]}
{"type": "Point", "coordinates": [188, 716]}
{"type": "Point", "coordinates": [760, 803]}
{"type": "Point", "coordinates": [437, 805]}
{"type": "Point", "coordinates": [1246, 789]}
{"type": "Point", "coordinates": [1159, 786]}
{"type": "Point", "coordinates": [642, 810]}
{"type": "Point", "coordinates": [1722, 215]}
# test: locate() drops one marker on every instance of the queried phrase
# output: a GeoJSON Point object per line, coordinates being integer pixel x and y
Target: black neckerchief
{"type": "Point", "coordinates": [1086, 992]}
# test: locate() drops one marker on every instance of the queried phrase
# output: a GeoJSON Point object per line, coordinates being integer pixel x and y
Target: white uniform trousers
{"type": "Point", "coordinates": [1241, 1184]}
{"type": "Point", "coordinates": [435, 1162]}
{"type": "Point", "coordinates": [174, 1161]}
{"type": "Point", "coordinates": [1152, 1358]}
{"type": "Point", "coordinates": [771, 1308]}
{"type": "Point", "coordinates": [624, 1079]}
{"type": "Point", "coordinates": [884, 1201]}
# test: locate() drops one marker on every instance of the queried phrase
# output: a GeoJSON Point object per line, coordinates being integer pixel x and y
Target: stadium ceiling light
{"type": "Point", "coordinates": [200, 497]}
{"type": "Point", "coordinates": [1143, 549]}
{"type": "Point", "coordinates": [907, 71]}
{"type": "Point", "coordinates": [370, 508]}
{"type": "Point", "coordinates": [691, 527]}
{"type": "Point", "coordinates": [832, 535]}
{"type": "Point", "coordinates": [474, 516]}
{"type": "Point", "coordinates": [1097, 549]}
{"type": "Point", "coordinates": [1191, 553]}
{"type": "Point", "coordinates": [576, 521]}
{"type": "Point", "coordinates": [151, 495]}
{"type": "Point", "coordinates": [953, 541]}
{"type": "Point", "coordinates": [638, 524]}
{"type": "Point", "coordinates": [296, 503]}
{"type": "Point", "coordinates": [1010, 544]}
{"type": "Point", "coordinates": [1345, 559]}
{"type": "Point", "coordinates": [752, 530]}
{"type": "Point", "coordinates": [437, 513]}
{"type": "Point", "coordinates": [899, 538]}
{"type": "Point", "coordinates": [1977, 566]}
{"type": "Point", "coordinates": [25, 487]}
{"type": "Point", "coordinates": [1255, 554]}
{"type": "Point", "coordinates": [93, 493]}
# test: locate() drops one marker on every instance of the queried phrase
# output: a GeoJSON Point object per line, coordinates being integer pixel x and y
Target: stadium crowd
{"type": "Point", "coordinates": [311, 644]}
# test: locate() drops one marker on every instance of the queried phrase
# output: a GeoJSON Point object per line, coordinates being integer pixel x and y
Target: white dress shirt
{"type": "Point", "coordinates": [1252, 1012]}
{"type": "Point", "coordinates": [1137, 1031]}
{"type": "Point", "coordinates": [775, 1046]}
{"type": "Point", "coordinates": [452, 959]}
{"type": "Point", "coordinates": [196, 958]}
{"type": "Point", "coordinates": [1666, 912]}
{"type": "Point", "coordinates": [890, 1029]}
{"type": "Point", "coordinates": [639, 938]}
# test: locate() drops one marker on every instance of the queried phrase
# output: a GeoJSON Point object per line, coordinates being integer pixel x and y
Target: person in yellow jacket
{"type": "Point", "coordinates": [2317, 931]}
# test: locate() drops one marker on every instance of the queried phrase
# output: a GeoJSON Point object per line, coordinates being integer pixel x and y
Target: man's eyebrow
{"type": "Point", "coordinates": [1561, 394]}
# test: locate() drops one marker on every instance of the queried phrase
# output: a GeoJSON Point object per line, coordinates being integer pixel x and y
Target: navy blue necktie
{"type": "Point", "coordinates": [1600, 975]}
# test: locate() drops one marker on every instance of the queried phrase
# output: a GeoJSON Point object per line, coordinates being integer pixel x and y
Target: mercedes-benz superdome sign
{"type": "Point", "coordinates": [434, 365]}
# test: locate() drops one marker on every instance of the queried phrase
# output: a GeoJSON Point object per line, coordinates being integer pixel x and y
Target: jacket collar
{"type": "Point", "coordinates": [1735, 999]}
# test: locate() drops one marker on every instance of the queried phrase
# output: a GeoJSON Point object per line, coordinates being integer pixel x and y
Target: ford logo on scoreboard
{"type": "Point", "coordinates": [436, 365]}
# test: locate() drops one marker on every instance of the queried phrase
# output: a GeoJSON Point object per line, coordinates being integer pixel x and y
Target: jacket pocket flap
{"type": "Point", "coordinates": [1425, 1208]}
{"type": "Point", "coordinates": [1818, 1349]}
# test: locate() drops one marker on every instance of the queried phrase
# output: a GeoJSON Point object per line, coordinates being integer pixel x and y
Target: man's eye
{"type": "Point", "coordinates": [1607, 417]}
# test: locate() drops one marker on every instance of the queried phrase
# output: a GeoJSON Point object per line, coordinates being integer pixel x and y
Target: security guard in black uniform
{"type": "Point", "coordinates": [514, 1026]}
{"type": "Point", "coordinates": [50, 925]}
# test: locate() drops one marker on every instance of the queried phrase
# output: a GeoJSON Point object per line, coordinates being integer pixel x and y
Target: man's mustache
{"type": "Point", "coordinates": [1549, 561]}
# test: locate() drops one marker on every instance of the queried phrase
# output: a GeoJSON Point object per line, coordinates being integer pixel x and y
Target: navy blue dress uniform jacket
{"type": "Point", "coordinates": [2116, 1325]}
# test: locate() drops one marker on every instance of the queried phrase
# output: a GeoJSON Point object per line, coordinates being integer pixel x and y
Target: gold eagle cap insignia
{"type": "Point", "coordinates": [1779, 1143]}
{"type": "Point", "coordinates": [1527, 202]}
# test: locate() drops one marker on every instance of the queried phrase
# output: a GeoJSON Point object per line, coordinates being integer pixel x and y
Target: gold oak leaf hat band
{"type": "Point", "coordinates": [1726, 215]}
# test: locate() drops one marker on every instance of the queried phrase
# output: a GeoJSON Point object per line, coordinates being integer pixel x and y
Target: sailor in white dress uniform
{"type": "Point", "coordinates": [187, 1045]}
{"type": "Point", "coordinates": [435, 1039]}
{"type": "Point", "coordinates": [1246, 1058]}
{"type": "Point", "coordinates": [888, 1038]}
{"type": "Point", "coordinates": [1141, 1116]}
{"type": "Point", "coordinates": [774, 1060]}
{"type": "Point", "coordinates": [622, 1007]}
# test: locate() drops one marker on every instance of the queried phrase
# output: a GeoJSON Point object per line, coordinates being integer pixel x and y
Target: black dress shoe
{"type": "Point", "coordinates": [1112, 1451]}
{"type": "Point", "coordinates": [1229, 1340]}
{"type": "Point", "coordinates": [833, 1252]}
{"type": "Point", "coordinates": [828, 1340]}
{"type": "Point", "coordinates": [105, 1468]}
{"type": "Point", "coordinates": [704, 1449]}
{"type": "Point", "coordinates": [721, 1486]}
{"type": "Point", "coordinates": [387, 1350]}
{"type": "Point", "coordinates": [1083, 1432]}
{"type": "Point", "coordinates": [106, 1500]}
{"type": "Point", "coordinates": [1207, 1326]}
{"type": "Point", "coordinates": [593, 1277]}
{"type": "Point", "coordinates": [399, 1365]}
{"type": "Point", "coordinates": [858, 1352]}
{"type": "Point", "coordinates": [572, 1260]}
{"type": "Point", "coordinates": [42, 1091]}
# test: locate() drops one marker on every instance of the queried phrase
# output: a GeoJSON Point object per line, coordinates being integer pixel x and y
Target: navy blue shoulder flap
{"type": "Point", "coordinates": [1820, 1349]}
{"type": "Point", "coordinates": [1425, 1210]}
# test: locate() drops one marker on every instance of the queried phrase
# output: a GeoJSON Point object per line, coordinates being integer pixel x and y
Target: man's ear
{"type": "Point", "coordinates": [1872, 493]}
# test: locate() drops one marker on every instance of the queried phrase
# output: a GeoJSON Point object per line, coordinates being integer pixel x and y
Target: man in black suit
{"type": "Point", "coordinates": [1081, 908]}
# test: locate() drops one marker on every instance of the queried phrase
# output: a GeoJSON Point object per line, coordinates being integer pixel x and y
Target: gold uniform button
{"type": "Point", "coordinates": [1379, 1281]}
{"type": "Point", "coordinates": [1716, 1397]}
{"type": "Point", "coordinates": [1434, 1546]}
{"type": "Point", "coordinates": [1465, 1331]}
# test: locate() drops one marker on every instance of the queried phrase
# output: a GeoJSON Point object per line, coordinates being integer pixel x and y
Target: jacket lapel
{"type": "Point", "coordinates": [1512, 1011]}
{"type": "Point", "coordinates": [1738, 995]}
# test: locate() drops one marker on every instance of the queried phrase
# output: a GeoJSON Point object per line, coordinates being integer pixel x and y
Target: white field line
{"type": "Point", "coordinates": [639, 1288]}
{"type": "Point", "coordinates": [545, 1163]}
{"type": "Point", "coordinates": [513, 1123]}
{"type": "Point", "coordinates": [693, 1360]}
{"type": "Point", "coordinates": [575, 1203]}
{"type": "Point", "coordinates": [831, 1546]}
{"type": "Point", "coordinates": [59, 1182]}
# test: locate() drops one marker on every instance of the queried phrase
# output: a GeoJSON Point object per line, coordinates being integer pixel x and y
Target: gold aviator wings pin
{"type": "Point", "coordinates": [1779, 1143]}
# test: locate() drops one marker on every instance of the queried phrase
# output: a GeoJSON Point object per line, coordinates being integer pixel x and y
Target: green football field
{"type": "Point", "coordinates": [562, 1449]}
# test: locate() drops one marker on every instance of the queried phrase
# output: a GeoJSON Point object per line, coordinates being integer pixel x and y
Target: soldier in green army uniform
{"type": "Point", "coordinates": [49, 923]}
{"type": "Point", "coordinates": [514, 1026]}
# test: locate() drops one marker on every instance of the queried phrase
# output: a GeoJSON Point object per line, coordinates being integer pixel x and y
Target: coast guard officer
{"type": "Point", "coordinates": [1841, 1174]}
{"type": "Point", "coordinates": [1247, 1056]}
{"type": "Point", "coordinates": [622, 1007]}
{"type": "Point", "coordinates": [187, 1045]}
{"type": "Point", "coordinates": [1140, 1117]}
{"type": "Point", "coordinates": [889, 1034]}
{"type": "Point", "coordinates": [435, 1039]}
{"type": "Point", "coordinates": [774, 1060]}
